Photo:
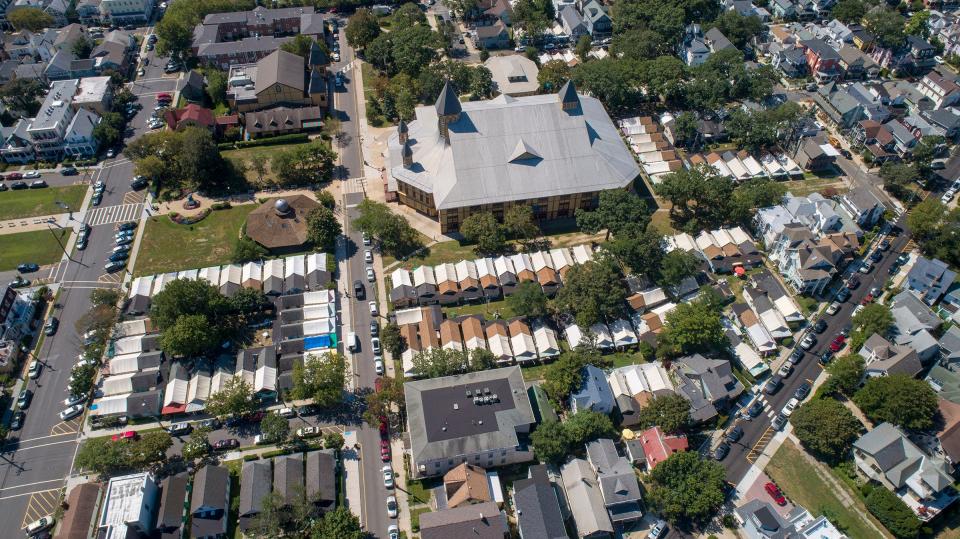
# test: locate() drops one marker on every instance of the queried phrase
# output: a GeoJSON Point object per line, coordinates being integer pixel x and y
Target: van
{"type": "Point", "coordinates": [286, 413]}
{"type": "Point", "coordinates": [353, 343]}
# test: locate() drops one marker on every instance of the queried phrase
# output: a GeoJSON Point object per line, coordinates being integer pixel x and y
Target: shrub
{"type": "Point", "coordinates": [292, 138]}
{"type": "Point", "coordinates": [893, 513]}
{"type": "Point", "coordinates": [248, 458]}
{"type": "Point", "coordinates": [182, 220]}
{"type": "Point", "coordinates": [221, 206]}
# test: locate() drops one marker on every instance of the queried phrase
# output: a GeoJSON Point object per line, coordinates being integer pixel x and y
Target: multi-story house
{"type": "Point", "coordinates": [49, 128]}
{"type": "Point", "coordinates": [904, 140]}
{"type": "Point", "coordinates": [923, 482]}
{"type": "Point", "coordinates": [862, 206]}
{"type": "Point", "coordinates": [224, 39]}
{"type": "Point", "coordinates": [597, 19]}
{"type": "Point", "coordinates": [121, 12]}
{"type": "Point", "coordinates": [280, 79]}
{"type": "Point", "coordinates": [921, 53]}
{"type": "Point", "coordinates": [572, 23]}
{"type": "Point", "coordinates": [941, 90]}
{"type": "Point", "coordinates": [842, 109]}
{"type": "Point", "coordinates": [877, 139]}
{"type": "Point", "coordinates": [617, 480]}
{"type": "Point", "coordinates": [79, 142]}
{"type": "Point", "coordinates": [792, 60]}
{"type": "Point", "coordinates": [823, 60]}
{"type": "Point", "coordinates": [808, 264]}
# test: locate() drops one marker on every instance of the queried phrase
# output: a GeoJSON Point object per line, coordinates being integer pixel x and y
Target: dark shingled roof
{"type": "Point", "coordinates": [256, 480]}
{"type": "Point", "coordinates": [173, 495]}
{"type": "Point", "coordinates": [321, 478]}
{"type": "Point", "coordinates": [272, 230]}
{"type": "Point", "coordinates": [538, 510]}
{"type": "Point", "coordinates": [82, 502]}
{"type": "Point", "coordinates": [448, 103]}
{"type": "Point", "coordinates": [211, 487]}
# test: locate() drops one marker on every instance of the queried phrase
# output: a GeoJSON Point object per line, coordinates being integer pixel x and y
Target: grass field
{"type": "Point", "coordinates": [801, 484]}
{"type": "Point", "coordinates": [487, 310]}
{"type": "Point", "coordinates": [39, 247]}
{"type": "Point", "coordinates": [167, 246]}
{"type": "Point", "coordinates": [814, 184]}
{"type": "Point", "coordinates": [242, 157]}
{"type": "Point", "coordinates": [37, 202]}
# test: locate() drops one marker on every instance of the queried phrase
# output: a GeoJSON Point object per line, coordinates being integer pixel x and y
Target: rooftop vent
{"type": "Point", "coordinates": [456, 406]}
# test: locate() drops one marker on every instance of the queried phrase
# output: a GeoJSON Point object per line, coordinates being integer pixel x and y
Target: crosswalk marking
{"type": "Point", "coordinates": [114, 214]}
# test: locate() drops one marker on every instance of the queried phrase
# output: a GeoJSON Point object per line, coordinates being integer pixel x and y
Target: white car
{"type": "Point", "coordinates": [857, 310]}
{"type": "Point", "coordinates": [948, 196]}
{"type": "Point", "coordinates": [141, 72]}
{"type": "Point", "coordinates": [368, 256]}
{"type": "Point", "coordinates": [32, 174]}
{"type": "Point", "coordinates": [366, 239]}
{"type": "Point", "coordinates": [790, 406]}
{"type": "Point", "coordinates": [378, 366]}
{"type": "Point", "coordinates": [71, 412]}
{"type": "Point", "coordinates": [38, 526]}
{"type": "Point", "coordinates": [336, 56]}
{"type": "Point", "coordinates": [393, 531]}
{"type": "Point", "coordinates": [34, 369]}
{"type": "Point", "coordinates": [308, 432]}
{"type": "Point", "coordinates": [375, 344]}
{"type": "Point", "coordinates": [833, 308]}
{"type": "Point", "coordinates": [73, 400]}
{"type": "Point", "coordinates": [808, 341]}
{"type": "Point", "coordinates": [392, 506]}
{"type": "Point", "coordinates": [373, 308]}
{"type": "Point", "coordinates": [866, 267]}
{"type": "Point", "coordinates": [370, 275]}
{"type": "Point", "coordinates": [387, 476]}
{"type": "Point", "coordinates": [785, 370]}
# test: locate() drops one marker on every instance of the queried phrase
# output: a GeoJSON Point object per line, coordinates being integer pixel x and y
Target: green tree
{"type": "Point", "coordinates": [235, 398]}
{"type": "Point", "coordinates": [520, 224]}
{"type": "Point", "coordinates": [617, 210]}
{"type": "Point", "coordinates": [677, 265]}
{"type": "Point", "coordinates": [553, 75]}
{"type": "Point", "coordinates": [925, 151]}
{"type": "Point", "coordinates": [274, 428]}
{"type": "Point", "coordinates": [301, 45]}
{"type": "Point", "coordinates": [301, 165]}
{"type": "Point", "coordinates": [886, 24]}
{"type": "Point", "coordinates": [258, 163]}
{"type": "Point", "coordinates": [323, 228]}
{"type": "Point", "coordinates": [550, 443]}
{"type": "Point", "coordinates": [82, 47]}
{"type": "Point", "coordinates": [246, 250]}
{"type": "Point", "coordinates": [641, 251]}
{"type": "Point", "coordinates": [693, 327]}
{"type": "Point", "coordinates": [362, 28]}
{"type": "Point", "coordinates": [532, 16]}
{"type": "Point", "coordinates": [739, 29]}
{"type": "Point", "coordinates": [700, 197]}
{"type": "Point", "coordinates": [898, 399]}
{"type": "Point", "coordinates": [332, 440]}
{"type": "Point", "coordinates": [394, 234]}
{"type": "Point", "coordinates": [564, 375]}
{"type": "Point", "coordinates": [198, 445]}
{"type": "Point", "coordinates": [845, 374]}
{"type": "Point", "coordinates": [583, 47]}
{"type": "Point", "coordinates": [408, 14]}
{"type": "Point", "coordinates": [897, 177]}
{"type": "Point", "coordinates": [338, 524]}
{"type": "Point", "coordinates": [81, 381]}
{"type": "Point", "coordinates": [105, 296]}
{"type": "Point", "coordinates": [945, 245]}
{"type": "Point", "coordinates": [22, 94]}
{"type": "Point", "coordinates": [917, 24]}
{"type": "Point", "coordinates": [482, 229]}
{"type": "Point", "coordinates": [528, 300]}
{"type": "Point", "coordinates": [669, 412]}
{"type": "Point", "coordinates": [587, 425]}
{"type": "Point", "coordinates": [893, 513]}
{"type": "Point", "coordinates": [849, 10]}
{"type": "Point", "coordinates": [101, 455]}
{"type": "Point", "coordinates": [593, 291]}
{"type": "Point", "coordinates": [217, 84]}
{"type": "Point", "coordinates": [175, 32]}
{"type": "Point", "coordinates": [321, 378]}
{"type": "Point", "coordinates": [687, 489]}
{"type": "Point", "coordinates": [437, 362]}
{"type": "Point", "coordinates": [826, 428]}
{"type": "Point", "coordinates": [393, 342]}
{"type": "Point", "coordinates": [926, 218]}
{"type": "Point", "coordinates": [685, 128]}
{"type": "Point", "coordinates": [611, 80]}
{"type": "Point", "coordinates": [752, 194]}
{"type": "Point", "coordinates": [640, 44]}
{"type": "Point", "coordinates": [30, 18]}
{"type": "Point", "coordinates": [109, 131]}
{"type": "Point", "coordinates": [383, 402]}
{"type": "Point", "coordinates": [874, 318]}
{"type": "Point", "coordinates": [190, 336]}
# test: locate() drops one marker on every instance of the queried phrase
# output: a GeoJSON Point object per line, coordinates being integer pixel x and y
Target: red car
{"type": "Point", "coordinates": [377, 385]}
{"type": "Point", "coordinates": [774, 492]}
{"type": "Point", "coordinates": [14, 176]}
{"type": "Point", "coordinates": [837, 343]}
{"type": "Point", "coordinates": [164, 97]}
{"type": "Point", "coordinates": [128, 435]}
{"type": "Point", "coordinates": [385, 450]}
{"type": "Point", "coordinates": [383, 429]}
{"type": "Point", "coordinates": [867, 299]}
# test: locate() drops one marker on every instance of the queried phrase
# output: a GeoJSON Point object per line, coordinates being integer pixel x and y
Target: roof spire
{"type": "Point", "coordinates": [448, 104]}
{"type": "Point", "coordinates": [568, 96]}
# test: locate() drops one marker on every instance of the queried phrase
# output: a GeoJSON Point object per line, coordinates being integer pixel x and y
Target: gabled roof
{"type": "Point", "coordinates": [280, 67]}
{"type": "Point", "coordinates": [537, 506]}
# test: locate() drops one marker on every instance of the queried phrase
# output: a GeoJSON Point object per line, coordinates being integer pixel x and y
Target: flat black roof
{"type": "Point", "coordinates": [453, 414]}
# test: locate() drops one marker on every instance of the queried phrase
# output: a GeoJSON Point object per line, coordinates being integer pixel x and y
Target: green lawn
{"type": "Point", "coordinates": [369, 78]}
{"type": "Point", "coordinates": [233, 530]}
{"type": "Point", "coordinates": [37, 202]}
{"type": "Point", "coordinates": [39, 247]}
{"type": "Point", "coordinates": [167, 246]}
{"type": "Point", "coordinates": [801, 484]}
{"type": "Point", "coordinates": [419, 491]}
{"type": "Point", "coordinates": [242, 157]}
{"type": "Point", "coordinates": [487, 310]}
{"type": "Point", "coordinates": [814, 184]}
{"type": "Point", "coordinates": [444, 251]}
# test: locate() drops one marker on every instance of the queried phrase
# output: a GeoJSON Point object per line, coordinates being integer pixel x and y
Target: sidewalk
{"type": "Point", "coordinates": [351, 474]}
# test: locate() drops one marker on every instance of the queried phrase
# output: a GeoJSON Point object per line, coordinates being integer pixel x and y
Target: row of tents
{"type": "Point", "coordinates": [291, 275]}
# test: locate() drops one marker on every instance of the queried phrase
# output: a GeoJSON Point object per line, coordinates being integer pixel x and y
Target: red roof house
{"type": "Point", "coordinates": [657, 446]}
{"type": "Point", "coordinates": [191, 115]}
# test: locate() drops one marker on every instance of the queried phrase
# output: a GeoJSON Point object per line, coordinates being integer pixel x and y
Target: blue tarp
{"type": "Point", "coordinates": [328, 340]}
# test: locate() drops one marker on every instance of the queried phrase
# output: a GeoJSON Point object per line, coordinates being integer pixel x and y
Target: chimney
{"type": "Point", "coordinates": [403, 132]}
{"type": "Point", "coordinates": [407, 154]}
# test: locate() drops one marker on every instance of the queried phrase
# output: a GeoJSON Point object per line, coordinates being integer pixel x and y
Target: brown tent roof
{"type": "Point", "coordinates": [526, 275]}
{"type": "Point", "coordinates": [428, 332]}
{"type": "Point", "coordinates": [449, 332]}
{"type": "Point", "coordinates": [82, 502]}
{"type": "Point", "coordinates": [447, 287]}
{"type": "Point", "coordinates": [653, 322]}
{"type": "Point", "coordinates": [466, 484]}
{"type": "Point", "coordinates": [518, 326]}
{"type": "Point", "coordinates": [409, 334]}
{"type": "Point", "coordinates": [547, 277]}
{"type": "Point", "coordinates": [489, 281]}
{"type": "Point", "coordinates": [496, 328]}
{"type": "Point", "coordinates": [272, 229]}
{"type": "Point", "coordinates": [472, 328]}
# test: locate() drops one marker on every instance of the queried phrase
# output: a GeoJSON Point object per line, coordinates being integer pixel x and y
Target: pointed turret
{"type": "Point", "coordinates": [448, 110]}
{"type": "Point", "coordinates": [569, 100]}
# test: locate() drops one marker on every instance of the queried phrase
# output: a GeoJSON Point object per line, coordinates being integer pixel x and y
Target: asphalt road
{"type": "Point", "coordinates": [757, 432]}
{"type": "Point", "coordinates": [374, 513]}
{"type": "Point", "coordinates": [37, 459]}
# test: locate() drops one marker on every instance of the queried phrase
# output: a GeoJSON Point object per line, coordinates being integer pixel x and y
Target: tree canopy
{"type": "Point", "coordinates": [899, 399]}
{"type": "Point", "coordinates": [826, 428]}
{"type": "Point", "coordinates": [874, 318]}
{"type": "Point", "coordinates": [393, 233]}
{"type": "Point", "coordinates": [181, 159]}
{"type": "Point", "coordinates": [362, 28]}
{"type": "Point", "coordinates": [845, 374]}
{"type": "Point", "coordinates": [564, 375]}
{"type": "Point", "coordinates": [436, 362]}
{"type": "Point", "coordinates": [669, 412]}
{"type": "Point", "coordinates": [321, 378]}
{"type": "Point", "coordinates": [593, 292]}
{"type": "Point", "coordinates": [616, 211]}
{"type": "Point", "coordinates": [685, 488]}
{"type": "Point", "coordinates": [483, 229]}
{"type": "Point", "coordinates": [553, 441]}
{"type": "Point", "coordinates": [235, 398]}
{"type": "Point", "coordinates": [692, 327]}
{"type": "Point", "coordinates": [30, 18]}
{"type": "Point", "coordinates": [528, 300]}
{"type": "Point", "coordinates": [323, 228]}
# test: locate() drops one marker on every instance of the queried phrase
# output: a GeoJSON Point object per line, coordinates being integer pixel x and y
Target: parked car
{"type": "Point", "coordinates": [31, 174]}
{"type": "Point", "coordinates": [375, 345]}
{"type": "Point", "coordinates": [112, 267]}
{"type": "Point", "coordinates": [393, 532]}
{"type": "Point", "coordinates": [286, 413]}
{"type": "Point", "coordinates": [721, 451]}
{"type": "Point", "coordinates": [659, 530]}
{"type": "Point", "coordinates": [38, 184]}
{"type": "Point", "coordinates": [71, 412]}
{"type": "Point", "coordinates": [308, 432]}
{"type": "Point", "coordinates": [866, 267]}
{"type": "Point", "coordinates": [179, 429]}
{"type": "Point", "coordinates": [16, 186]}
{"type": "Point", "coordinates": [837, 343]}
{"type": "Point", "coordinates": [853, 282]}
{"type": "Point", "coordinates": [796, 356]}
{"type": "Point", "coordinates": [308, 410]}
{"type": "Point", "coordinates": [374, 328]}
{"type": "Point", "coordinates": [373, 308]}
{"type": "Point", "coordinates": [16, 422]}
{"type": "Point", "coordinates": [789, 407]}
{"type": "Point", "coordinates": [820, 326]}
{"type": "Point", "coordinates": [392, 506]}
{"type": "Point", "coordinates": [69, 171]}
{"type": "Point", "coordinates": [211, 423]}
{"type": "Point", "coordinates": [778, 422]}
{"type": "Point", "coordinates": [126, 435]}
{"type": "Point", "coordinates": [734, 434]}
{"type": "Point", "coordinates": [774, 492]}
{"type": "Point", "coordinates": [73, 400]}
{"type": "Point", "coordinates": [785, 370]}
{"type": "Point", "coordinates": [876, 256]}
{"type": "Point", "coordinates": [385, 450]}
{"type": "Point", "coordinates": [755, 408]}
{"type": "Point", "coordinates": [884, 245]}
{"type": "Point", "coordinates": [96, 199]}
{"type": "Point", "coordinates": [773, 384]}
{"type": "Point", "coordinates": [808, 341]}
{"type": "Point", "coordinates": [24, 399]}
{"type": "Point", "coordinates": [50, 328]}
{"type": "Point", "coordinates": [378, 365]}
{"type": "Point", "coordinates": [28, 267]}
{"type": "Point", "coordinates": [40, 525]}
{"type": "Point", "coordinates": [19, 282]}
{"type": "Point", "coordinates": [129, 225]}
{"type": "Point", "coordinates": [826, 357]}
{"type": "Point", "coordinates": [387, 476]}
{"type": "Point", "coordinates": [802, 391]}
{"type": "Point", "coordinates": [843, 295]}
{"type": "Point", "coordinates": [834, 308]}
{"type": "Point", "coordinates": [368, 256]}
{"type": "Point", "coordinates": [359, 290]}
{"type": "Point", "coordinates": [224, 445]}
{"type": "Point", "coordinates": [34, 370]}
{"type": "Point", "coordinates": [371, 277]}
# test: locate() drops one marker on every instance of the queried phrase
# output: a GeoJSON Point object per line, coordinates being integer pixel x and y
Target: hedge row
{"type": "Point", "coordinates": [291, 138]}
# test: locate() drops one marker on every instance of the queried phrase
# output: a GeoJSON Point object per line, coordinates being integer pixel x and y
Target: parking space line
{"type": "Point", "coordinates": [65, 427]}
{"type": "Point", "coordinates": [41, 504]}
{"type": "Point", "coordinates": [761, 444]}
{"type": "Point", "coordinates": [113, 278]}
